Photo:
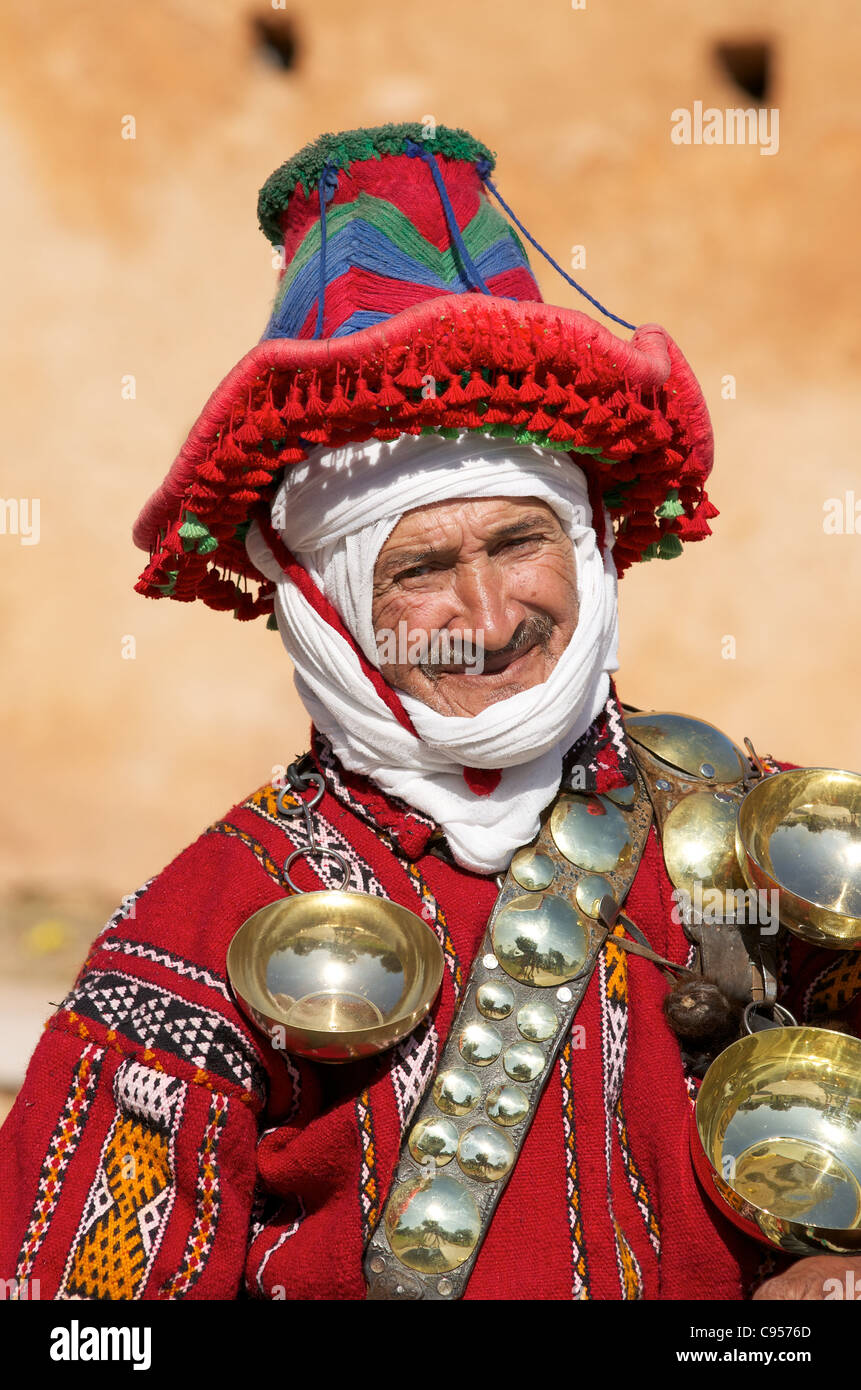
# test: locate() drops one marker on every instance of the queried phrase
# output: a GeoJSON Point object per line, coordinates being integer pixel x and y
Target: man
{"type": "Point", "coordinates": [418, 449]}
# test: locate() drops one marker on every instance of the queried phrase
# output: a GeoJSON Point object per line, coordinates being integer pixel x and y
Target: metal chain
{"type": "Point", "coordinates": [299, 783]}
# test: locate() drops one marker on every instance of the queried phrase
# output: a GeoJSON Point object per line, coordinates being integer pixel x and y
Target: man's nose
{"type": "Point", "coordinates": [485, 605]}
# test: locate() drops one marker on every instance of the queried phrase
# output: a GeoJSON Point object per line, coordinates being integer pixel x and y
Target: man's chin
{"type": "Point", "coordinates": [468, 702]}
{"type": "Point", "coordinates": [467, 693]}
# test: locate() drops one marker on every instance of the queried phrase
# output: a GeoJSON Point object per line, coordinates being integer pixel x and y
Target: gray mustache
{"type": "Point", "coordinates": [536, 629]}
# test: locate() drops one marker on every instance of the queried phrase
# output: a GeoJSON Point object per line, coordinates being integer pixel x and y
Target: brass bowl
{"type": "Point", "coordinates": [800, 832]}
{"type": "Point", "coordinates": [335, 976]}
{"type": "Point", "coordinates": [776, 1138]}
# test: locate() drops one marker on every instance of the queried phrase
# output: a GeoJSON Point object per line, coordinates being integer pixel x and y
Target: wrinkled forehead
{"type": "Point", "coordinates": [472, 519]}
{"type": "Point", "coordinates": [479, 508]}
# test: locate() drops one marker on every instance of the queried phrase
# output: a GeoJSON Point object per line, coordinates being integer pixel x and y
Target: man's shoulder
{"type": "Point", "coordinates": [184, 917]}
{"type": "Point", "coordinates": [257, 821]}
{"type": "Point", "coordinates": [233, 866]}
{"type": "Point", "coordinates": [154, 985]}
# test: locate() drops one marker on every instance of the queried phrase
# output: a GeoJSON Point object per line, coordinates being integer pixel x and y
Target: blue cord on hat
{"type": "Point", "coordinates": [412, 148]}
{"type": "Point", "coordinates": [483, 168]}
{"type": "Point", "coordinates": [327, 186]}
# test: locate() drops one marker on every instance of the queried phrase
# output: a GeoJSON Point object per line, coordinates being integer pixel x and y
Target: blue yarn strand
{"type": "Point", "coordinates": [483, 168]}
{"type": "Point", "coordinates": [469, 265]}
{"type": "Point", "coordinates": [326, 187]}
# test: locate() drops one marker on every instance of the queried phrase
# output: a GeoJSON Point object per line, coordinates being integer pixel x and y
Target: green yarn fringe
{"type": "Point", "coordinates": [671, 506]}
{"type": "Point", "coordinates": [196, 535]}
{"type": "Point", "coordinates": [614, 497]}
{"type": "Point", "coordinates": [667, 548]}
{"type": "Point", "coordinates": [348, 147]}
{"type": "Point", "coordinates": [167, 589]}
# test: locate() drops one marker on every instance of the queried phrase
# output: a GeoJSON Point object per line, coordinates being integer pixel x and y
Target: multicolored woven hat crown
{"type": "Point", "coordinates": [407, 303]}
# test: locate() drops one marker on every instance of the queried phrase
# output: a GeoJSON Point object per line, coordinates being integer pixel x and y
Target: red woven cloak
{"type": "Point", "coordinates": [158, 1150]}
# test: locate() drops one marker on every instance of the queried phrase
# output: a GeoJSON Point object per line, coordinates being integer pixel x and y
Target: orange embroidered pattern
{"type": "Point", "coordinates": [632, 1278]}
{"type": "Point", "coordinates": [127, 1211]}
{"type": "Point", "coordinates": [580, 1281]}
{"type": "Point", "coordinates": [638, 1185]}
{"type": "Point", "coordinates": [436, 918]}
{"type": "Point", "coordinates": [369, 1196]}
{"type": "Point", "coordinates": [613, 972]}
{"type": "Point", "coordinates": [207, 1206]}
{"type": "Point", "coordinates": [836, 986]}
{"type": "Point", "coordinates": [63, 1144]}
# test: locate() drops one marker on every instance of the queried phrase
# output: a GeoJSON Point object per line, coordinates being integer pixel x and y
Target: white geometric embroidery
{"type": "Point", "coordinates": [159, 1018]}
{"type": "Point", "coordinates": [616, 727]}
{"type": "Point", "coordinates": [149, 1095]}
{"type": "Point", "coordinates": [149, 1218]}
{"type": "Point", "coordinates": [174, 963]}
{"type": "Point", "coordinates": [99, 1202]}
{"type": "Point", "coordinates": [614, 1038]}
{"type": "Point", "coordinates": [416, 1058]}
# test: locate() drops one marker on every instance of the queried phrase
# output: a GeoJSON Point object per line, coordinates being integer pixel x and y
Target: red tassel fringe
{"type": "Point", "coordinates": [491, 371]}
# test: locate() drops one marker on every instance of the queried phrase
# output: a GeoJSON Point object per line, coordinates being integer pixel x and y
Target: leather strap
{"type": "Point", "coordinates": [423, 1266]}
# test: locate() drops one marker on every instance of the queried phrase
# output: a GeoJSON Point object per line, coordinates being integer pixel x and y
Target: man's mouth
{"type": "Point", "coordinates": [532, 632]}
{"type": "Point", "coordinates": [501, 661]}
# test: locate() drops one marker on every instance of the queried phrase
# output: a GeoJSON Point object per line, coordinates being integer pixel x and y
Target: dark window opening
{"type": "Point", "coordinates": [275, 38]}
{"type": "Point", "coordinates": [749, 65]}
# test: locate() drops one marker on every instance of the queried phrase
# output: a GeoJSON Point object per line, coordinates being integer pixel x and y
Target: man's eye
{"type": "Point", "coordinates": [415, 572]}
{"type": "Point", "coordinates": [523, 540]}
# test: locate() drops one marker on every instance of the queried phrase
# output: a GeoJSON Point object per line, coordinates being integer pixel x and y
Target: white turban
{"type": "Point", "coordinates": [334, 512]}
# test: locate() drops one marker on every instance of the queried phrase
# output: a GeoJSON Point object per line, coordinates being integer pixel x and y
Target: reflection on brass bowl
{"type": "Point", "coordinates": [800, 832]}
{"type": "Point", "coordinates": [776, 1138]}
{"type": "Point", "coordinates": [335, 976]}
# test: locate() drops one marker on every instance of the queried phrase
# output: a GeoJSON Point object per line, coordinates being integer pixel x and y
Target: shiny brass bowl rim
{"type": "Point", "coordinates": [746, 834]}
{"type": "Point", "coordinates": [802, 1232]}
{"type": "Point", "coordinates": [385, 1034]}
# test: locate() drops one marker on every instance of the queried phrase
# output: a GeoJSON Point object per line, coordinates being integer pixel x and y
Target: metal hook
{"type": "Point", "coordinates": [320, 852]}
{"type": "Point", "coordinates": [298, 783]}
{"type": "Point", "coordinates": [755, 758]}
{"type": "Point", "coordinates": [310, 779]}
{"type": "Point", "coordinates": [782, 1017]}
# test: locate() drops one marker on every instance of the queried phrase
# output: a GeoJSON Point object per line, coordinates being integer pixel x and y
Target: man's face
{"type": "Point", "coordinates": [499, 571]}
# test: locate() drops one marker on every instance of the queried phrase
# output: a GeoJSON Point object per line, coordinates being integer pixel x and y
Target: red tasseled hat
{"type": "Point", "coordinates": [407, 303]}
